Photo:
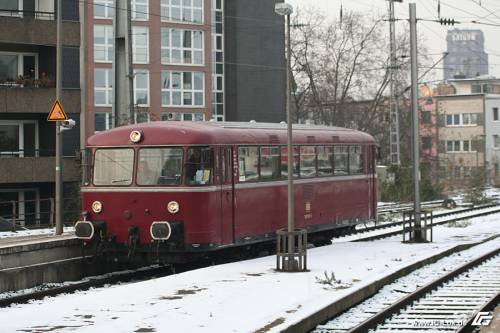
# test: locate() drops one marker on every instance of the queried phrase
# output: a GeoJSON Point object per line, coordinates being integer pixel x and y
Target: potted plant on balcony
{"type": "Point", "coordinates": [20, 81]}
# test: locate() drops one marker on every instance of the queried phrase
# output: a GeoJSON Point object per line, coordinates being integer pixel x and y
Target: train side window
{"type": "Point", "coordinates": [355, 160]}
{"type": "Point", "coordinates": [284, 162]}
{"type": "Point", "coordinates": [341, 160]}
{"type": "Point", "coordinates": [199, 166]}
{"type": "Point", "coordinates": [325, 161]}
{"type": "Point", "coordinates": [307, 161]}
{"type": "Point", "coordinates": [248, 160]}
{"type": "Point", "coordinates": [270, 163]}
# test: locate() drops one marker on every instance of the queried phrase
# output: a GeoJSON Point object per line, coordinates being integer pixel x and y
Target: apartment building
{"type": "Point", "coordinates": [469, 131]}
{"type": "Point", "coordinates": [27, 91]}
{"type": "Point", "coordinates": [193, 60]}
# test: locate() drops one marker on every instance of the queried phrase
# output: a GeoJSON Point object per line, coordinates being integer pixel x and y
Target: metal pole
{"type": "Point", "coordinates": [394, 102]}
{"type": "Point", "coordinates": [291, 218]}
{"type": "Point", "coordinates": [58, 185]}
{"type": "Point", "coordinates": [130, 68]}
{"type": "Point", "coordinates": [83, 92]}
{"type": "Point", "coordinates": [414, 97]}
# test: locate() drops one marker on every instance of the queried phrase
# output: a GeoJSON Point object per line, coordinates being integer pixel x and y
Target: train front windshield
{"type": "Point", "coordinates": [159, 166]}
{"type": "Point", "coordinates": [113, 167]}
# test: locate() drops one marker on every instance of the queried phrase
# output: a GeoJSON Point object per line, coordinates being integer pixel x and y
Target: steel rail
{"type": "Point", "coordinates": [383, 315]}
{"type": "Point", "coordinates": [397, 232]}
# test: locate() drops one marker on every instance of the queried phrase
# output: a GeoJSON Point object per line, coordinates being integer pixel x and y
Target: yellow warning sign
{"type": "Point", "coordinates": [57, 112]}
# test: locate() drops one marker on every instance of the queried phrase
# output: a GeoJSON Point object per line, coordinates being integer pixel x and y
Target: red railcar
{"type": "Point", "coordinates": [184, 188]}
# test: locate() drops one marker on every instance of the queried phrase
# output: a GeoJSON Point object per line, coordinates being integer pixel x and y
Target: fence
{"type": "Point", "coordinates": [42, 216]}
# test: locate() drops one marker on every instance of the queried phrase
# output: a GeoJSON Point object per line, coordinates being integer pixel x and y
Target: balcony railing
{"type": "Point", "coordinates": [24, 82]}
{"type": "Point", "coordinates": [39, 15]}
{"type": "Point", "coordinates": [12, 220]}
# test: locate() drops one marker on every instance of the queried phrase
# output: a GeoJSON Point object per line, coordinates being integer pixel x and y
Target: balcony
{"type": "Point", "coordinates": [34, 30]}
{"type": "Point", "coordinates": [36, 169]}
{"type": "Point", "coordinates": [18, 99]}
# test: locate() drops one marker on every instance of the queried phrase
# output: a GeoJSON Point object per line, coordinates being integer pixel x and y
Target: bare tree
{"type": "Point", "coordinates": [341, 72]}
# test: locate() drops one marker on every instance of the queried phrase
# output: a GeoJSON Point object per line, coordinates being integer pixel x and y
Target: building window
{"type": "Point", "coordinates": [464, 119]}
{"type": "Point", "coordinates": [18, 138]}
{"type": "Point", "coordinates": [103, 87]}
{"type": "Point", "coordinates": [495, 114]}
{"type": "Point", "coordinates": [497, 170]}
{"type": "Point", "coordinates": [140, 45]}
{"type": "Point", "coordinates": [426, 117]}
{"type": "Point", "coordinates": [426, 142]}
{"type": "Point", "coordinates": [103, 43]}
{"type": "Point", "coordinates": [466, 145]}
{"type": "Point", "coordinates": [496, 141]}
{"type": "Point", "coordinates": [182, 10]}
{"type": "Point", "coordinates": [182, 88]}
{"type": "Point", "coordinates": [104, 8]}
{"type": "Point", "coordinates": [218, 111]}
{"type": "Point", "coordinates": [102, 121]}
{"type": "Point", "coordinates": [181, 46]}
{"type": "Point", "coordinates": [141, 117]}
{"type": "Point", "coordinates": [458, 146]}
{"type": "Point", "coordinates": [140, 10]}
{"type": "Point", "coordinates": [141, 88]}
{"type": "Point", "coordinates": [177, 116]}
{"type": "Point", "coordinates": [17, 67]}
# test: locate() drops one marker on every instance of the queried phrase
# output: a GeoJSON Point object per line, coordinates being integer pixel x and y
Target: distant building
{"type": "Point", "coordinates": [469, 131]}
{"type": "Point", "coordinates": [466, 56]}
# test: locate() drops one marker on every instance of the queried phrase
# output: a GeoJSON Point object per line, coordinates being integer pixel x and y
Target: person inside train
{"type": "Point", "coordinates": [145, 176]}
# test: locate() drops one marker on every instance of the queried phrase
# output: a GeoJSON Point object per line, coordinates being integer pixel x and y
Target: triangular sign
{"type": "Point", "coordinates": [57, 112]}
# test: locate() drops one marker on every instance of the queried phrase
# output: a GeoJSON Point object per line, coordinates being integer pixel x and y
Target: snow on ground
{"type": "Point", "coordinates": [239, 297]}
{"type": "Point", "coordinates": [33, 232]}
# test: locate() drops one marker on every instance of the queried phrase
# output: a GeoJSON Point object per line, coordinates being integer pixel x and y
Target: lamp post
{"type": "Point", "coordinates": [292, 260]}
{"type": "Point", "coordinates": [285, 9]}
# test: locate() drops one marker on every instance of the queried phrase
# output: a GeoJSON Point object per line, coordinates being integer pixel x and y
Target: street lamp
{"type": "Point", "coordinates": [289, 262]}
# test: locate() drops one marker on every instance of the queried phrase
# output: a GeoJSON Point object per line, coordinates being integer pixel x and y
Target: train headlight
{"type": "Point", "coordinates": [135, 136]}
{"type": "Point", "coordinates": [173, 207]}
{"type": "Point", "coordinates": [97, 207]}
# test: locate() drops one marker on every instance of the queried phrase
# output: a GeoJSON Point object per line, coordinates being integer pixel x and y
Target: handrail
{"type": "Point", "coordinates": [36, 14]}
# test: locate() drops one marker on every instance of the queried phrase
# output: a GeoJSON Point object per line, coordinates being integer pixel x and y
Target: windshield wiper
{"type": "Point", "coordinates": [120, 180]}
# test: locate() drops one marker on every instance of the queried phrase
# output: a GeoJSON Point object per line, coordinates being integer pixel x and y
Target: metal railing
{"type": "Point", "coordinates": [40, 217]}
{"type": "Point", "coordinates": [40, 15]}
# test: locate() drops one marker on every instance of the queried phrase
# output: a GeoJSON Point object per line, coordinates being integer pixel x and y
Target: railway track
{"type": "Point", "coordinates": [394, 228]}
{"type": "Point", "coordinates": [442, 302]}
{"type": "Point", "coordinates": [152, 271]}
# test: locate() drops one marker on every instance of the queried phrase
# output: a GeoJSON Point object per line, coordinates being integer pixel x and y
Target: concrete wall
{"type": "Point", "coordinates": [254, 61]}
{"type": "Point", "coordinates": [36, 169]}
{"type": "Point", "coordinates": [37, 32]}
{"type": "Point", "coordinates": [36, 100]}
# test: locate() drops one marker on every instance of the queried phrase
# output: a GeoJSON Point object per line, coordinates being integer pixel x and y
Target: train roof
{"type": "Point", "coordinates": [191, 133]}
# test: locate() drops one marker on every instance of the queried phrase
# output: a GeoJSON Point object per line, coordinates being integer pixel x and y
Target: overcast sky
{"type": "Point", "coordinates": [485, 11]}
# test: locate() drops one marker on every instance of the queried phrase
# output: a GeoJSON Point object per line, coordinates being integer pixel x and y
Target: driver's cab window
{"type": "Point", "coordinates": [199, 166]}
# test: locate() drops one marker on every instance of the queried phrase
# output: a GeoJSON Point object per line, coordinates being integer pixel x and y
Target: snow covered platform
{"type": "Point", "coordinates": [32, 257]}
{"type": "Point", "coordinates": [247, 296]}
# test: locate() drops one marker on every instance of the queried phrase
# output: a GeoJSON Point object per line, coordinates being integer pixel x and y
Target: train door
{"type": "Point", "coordinates": [227, 195]}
